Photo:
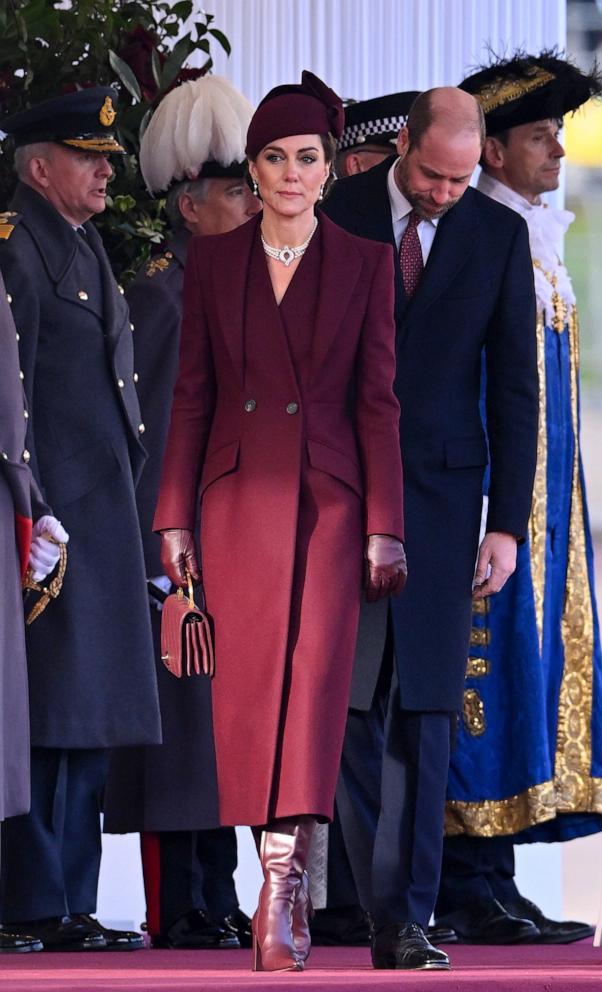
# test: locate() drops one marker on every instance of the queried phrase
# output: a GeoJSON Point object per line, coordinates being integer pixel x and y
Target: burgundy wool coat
{"type": "Point", "coordinates": [284, 442]}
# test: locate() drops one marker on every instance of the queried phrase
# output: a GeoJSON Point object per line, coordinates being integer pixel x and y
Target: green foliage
{"type": "Point", "coordinates": [47, 49]}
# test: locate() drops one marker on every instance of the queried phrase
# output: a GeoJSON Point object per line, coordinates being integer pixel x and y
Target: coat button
{"type": "Point", "coordinates": [141, 428]}
{"type": "Point", "coordinates": [250, 405]}
{"type": "Point", "coordinates": [82, 294]}
{"type": "Point", "coordinates": [9, 298]}
{"type": "Point", "coordinates": [21, 375]}
{"type": "Point", "coordinates": [120, 383]}
{"type": "Point", "coordinates": [5, 456]}
{"type": "Point", "coordinates": [135, 377]}
{"type": "Point", "coordinates": [26, 414]}
{"type": "Point", "coordinates": [132, 328]}
{"type": "Point", "coordinates": [121, 289]}
{"type": "Point", "coordinates": [26, 456]}
{"type": "Point", "coordinates": [18, 336]}
{"type": "Point", "coordinates": [292, 408]}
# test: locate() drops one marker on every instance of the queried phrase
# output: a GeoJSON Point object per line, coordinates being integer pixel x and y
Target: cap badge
{"type": "Point", "coordinates": [107, 114]}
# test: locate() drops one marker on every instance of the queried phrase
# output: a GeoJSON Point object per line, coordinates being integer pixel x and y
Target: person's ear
{"type": "Point", "coordinates": [493, 153]}
{"type": "Point", "coordinates": [188, 207]}
{"type": "Point", "coordinates": [403, 142]}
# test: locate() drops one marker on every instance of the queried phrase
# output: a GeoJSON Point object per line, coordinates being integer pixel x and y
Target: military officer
{"type": "Point", "coordinates": [371, 129]}
{"type": "Point", "coordinates": [92, 682]}
{"type": "Point", "coordinates": [188, 861]}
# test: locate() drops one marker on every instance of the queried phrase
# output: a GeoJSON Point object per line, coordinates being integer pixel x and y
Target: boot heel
{"type": "Point", "coordinates": [257, 965]}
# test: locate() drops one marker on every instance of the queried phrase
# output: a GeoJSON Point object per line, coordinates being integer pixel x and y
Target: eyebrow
{"type": "Point", "coordinates": [277, 148]}
{"type": "Point", "coordinates": [432, 174]}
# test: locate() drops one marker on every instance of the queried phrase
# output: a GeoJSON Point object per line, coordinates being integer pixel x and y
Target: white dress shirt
{"type": "Point", "coordinates": [400, 212]}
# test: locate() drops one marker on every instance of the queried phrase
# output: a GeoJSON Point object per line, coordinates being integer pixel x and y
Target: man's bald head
{"type": "Point", "coordinates": [439, 149]}
{"type": "Point", "coordinates": [446, 108]}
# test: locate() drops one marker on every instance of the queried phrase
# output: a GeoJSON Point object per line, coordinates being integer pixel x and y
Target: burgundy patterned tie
{"type": "Point", "coordinates": [410, 255]}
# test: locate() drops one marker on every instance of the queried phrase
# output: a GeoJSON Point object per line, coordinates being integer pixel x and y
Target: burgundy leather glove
{"type": "Point", "coordinates": [386, 568]}
{"type": "Point", "coordinates": [178, 553]}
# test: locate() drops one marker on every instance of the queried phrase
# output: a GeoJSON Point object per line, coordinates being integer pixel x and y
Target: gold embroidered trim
{"type": "Point", "coordinates": [101, 145]}
{"type": "Point", "coordinates": [480, 637]}
{"type": "Point", "coordinates": [159, 264]}
{"type": "Point", "coordinates": [560, 307]}
{"type": "Point", "coordinates": [574, 740]}
{"type": "Point", "coordinates": [477, 667]}
{"type": "Point", "coordinates": [494, 817]}
{"type": "Point", "coordinates": [503, 90]}
{"type": "Point", "coordinates": [474, 713]}
{"type": "Point", "coordinates": [539, 507]}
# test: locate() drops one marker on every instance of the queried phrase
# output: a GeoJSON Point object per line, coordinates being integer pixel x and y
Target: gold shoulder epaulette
{"type": "Point", "coordinates": [159, 264]}
{"type": "Point", "coordinates": [7, 224]}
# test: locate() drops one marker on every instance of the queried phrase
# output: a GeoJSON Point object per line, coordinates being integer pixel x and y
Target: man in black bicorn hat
{"type": "Point", "coordinates": [168, 797]}
{"type": "Point", "coordinates": [91, 675]}
{"type": "Point", "coordinates": [371, 129]}
{"type": "Point", "coordinates": [533, 772]}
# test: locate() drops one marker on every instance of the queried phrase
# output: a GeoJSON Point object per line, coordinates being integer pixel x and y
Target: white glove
{"type": "Point", "coordinates": [44, 554]}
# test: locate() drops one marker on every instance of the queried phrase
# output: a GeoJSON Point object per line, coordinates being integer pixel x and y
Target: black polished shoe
{"type": "Point", "coordinates": [550, 931]}
{"type": "Point", "coordinates": [194, 931]}
{"type": "Point", "coordinates": [441, 935]}
{"type": "Point", "coordinates": [239, 924]}
{"type": "Point", "coordinates": [345, 926]}
{"type": "Point", "coordinates": [59, 933]}
{"type": "Point", "coordinates": [18, 943]}
{"type": "Point", "coordinates": [404, 946]}
{"type": "Point", "coordinates": [487, 922]}
{"type": "Point", "coordinates": [115, 940]}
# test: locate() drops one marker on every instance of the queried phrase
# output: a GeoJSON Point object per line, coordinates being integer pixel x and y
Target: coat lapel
{"type": "Point", "coordinates": [230, 272]}
{"type": "Point", "coordinates": [114, 306]}
{"type": "Point", "coordinates": [454, 243]}
{"type": "Point", "coordinates": [341, 268]}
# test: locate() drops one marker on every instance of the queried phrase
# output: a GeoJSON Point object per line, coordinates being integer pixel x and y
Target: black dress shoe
{"type": "Point", "coordinates": [441, 935]}
{"type": "Point", "coordinates": [345, 926]}
{"type": "Point", "coordinates": [115, 940]}
{"type": "Point", "coordinates": [18, 943]}
{"type": "Point", "coordinates": [60, 933]}
{"type": "Point", "coordinates": [487, 922]}
{"type": "Point", "coordinates": [194, 931]}
{"type": "Point", "coordinates": [550, 931]}
{"type": "Point", "coordinates": [239, 924]}
{"type": "Point", "coordinates": [404, 945]}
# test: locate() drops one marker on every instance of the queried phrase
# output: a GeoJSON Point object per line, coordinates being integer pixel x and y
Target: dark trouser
{"type": "Point", "coordinates": [391, 801]}
{"type": "Point", "coordinates": [188, 869]}
{"type": "Point", "coordinates": [476, 868]}
{"type": "Point", "coordinates": [51, 856]}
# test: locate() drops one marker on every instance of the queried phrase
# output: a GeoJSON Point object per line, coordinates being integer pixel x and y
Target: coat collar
{"type": "Point", "coordinates": [53, 235]}
{"type": "Point", "coordinates": [341, 267]}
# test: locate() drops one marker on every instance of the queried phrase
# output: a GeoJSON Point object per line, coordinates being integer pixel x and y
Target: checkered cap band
{"type": "Point", "coordinates": [359, 134]}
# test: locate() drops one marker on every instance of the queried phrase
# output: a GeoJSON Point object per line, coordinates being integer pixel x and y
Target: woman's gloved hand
{"type": "Point", "coordinates": [178, 554]}
{"type": "Point", "coordinates": [386, 568]}
{"type": "Point", "coordinates": [47, 534]}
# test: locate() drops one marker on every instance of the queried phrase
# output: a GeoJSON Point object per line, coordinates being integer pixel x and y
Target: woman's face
{"type": "Point", "coordinates": [290, 172]}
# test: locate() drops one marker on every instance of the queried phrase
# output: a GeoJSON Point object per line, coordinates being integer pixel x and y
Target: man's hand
{"type": "Point", "coordinates": [495, 564]}
{"type": "Point", "coordinates": [47, 534]}
{"type": "Point", "coordinates": [178, 555]}
{"type": "Point", "coordinates": [386, 568]}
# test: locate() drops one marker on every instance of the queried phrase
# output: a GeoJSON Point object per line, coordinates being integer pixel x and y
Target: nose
{"type": "Point", "coordinates": [440, 193]}
{"type": "Point", "coordinates": [290, 172]}
{"type": "Point", "coordinates": [104, 167]}
{"type": "Point", "coordinates": [557, 150]}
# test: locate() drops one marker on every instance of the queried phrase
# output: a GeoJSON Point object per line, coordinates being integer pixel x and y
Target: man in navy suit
{"type": "Point", "coordinates": [464, 288]}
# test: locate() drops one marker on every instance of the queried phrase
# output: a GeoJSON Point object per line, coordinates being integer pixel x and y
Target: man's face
{"type": "Point", "coordinates": [227, 204]}
{"type": "Point", "coordinates": [434, 174]}
{"type": "Point", "coordinates": [75, 182]}
{"type": "Point", "coordinates": [531, 158]}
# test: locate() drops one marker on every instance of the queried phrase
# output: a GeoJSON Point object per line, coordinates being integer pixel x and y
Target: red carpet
{"type": "Point", "coordinates": [489, 969]}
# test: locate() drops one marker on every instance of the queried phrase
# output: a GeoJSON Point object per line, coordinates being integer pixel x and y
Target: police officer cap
{"type": "Point", "coordinates": [83, 119]}
{"type": "Point", "coordinates": [526, 88]}
{"type": "Point", "coordinates": [377, 121]}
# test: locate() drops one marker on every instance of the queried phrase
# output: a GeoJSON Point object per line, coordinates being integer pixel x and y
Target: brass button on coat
{"type": "Point", "coordinates": [26, 456]}
{"type": "Point", "coordinates": [135, 377]}
{"type": "Point", "coordinates": [141, 428]}
{"type": "Point", "coordinates": [82, 294]}
{"type": "Point", "coordinates": [120, 383]}
{"type": "Point", "coordinates": [9, 298]}
{"type": "Point", "coordinates": [250, 405]}
{"type": "Point", "coordinates": [292, 408]}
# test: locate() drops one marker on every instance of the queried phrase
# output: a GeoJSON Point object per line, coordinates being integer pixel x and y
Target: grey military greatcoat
{"type": "Point", "coordinates": [91, 673]}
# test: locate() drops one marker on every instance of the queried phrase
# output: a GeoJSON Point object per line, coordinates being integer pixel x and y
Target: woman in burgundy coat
{"type": "Point", "coordinates": [284, 442]}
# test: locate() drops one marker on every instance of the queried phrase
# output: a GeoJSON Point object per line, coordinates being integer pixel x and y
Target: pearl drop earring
{"type": "Point", "coordinates": [255, 188]}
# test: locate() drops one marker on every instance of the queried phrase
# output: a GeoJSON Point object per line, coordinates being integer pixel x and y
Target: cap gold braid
{"type": "Point", "coordinates": [503, 90]}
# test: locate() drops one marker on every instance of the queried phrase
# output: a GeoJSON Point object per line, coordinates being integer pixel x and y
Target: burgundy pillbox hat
{"type": "Point", "coordinates": [310, 107]}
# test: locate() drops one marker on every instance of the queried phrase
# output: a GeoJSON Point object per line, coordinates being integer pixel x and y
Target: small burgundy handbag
{"type": "Point", "coordinates": [186, 637]}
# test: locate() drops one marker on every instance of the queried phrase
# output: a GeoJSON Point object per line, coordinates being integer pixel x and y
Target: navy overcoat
{"type": "Point", "coordinates": [91, 673]}
{"type": "Point", "coordinates": [476, 293]}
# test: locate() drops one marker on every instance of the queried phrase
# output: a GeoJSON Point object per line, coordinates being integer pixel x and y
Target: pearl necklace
{"type": "Point", "coordinates": [287, 255]}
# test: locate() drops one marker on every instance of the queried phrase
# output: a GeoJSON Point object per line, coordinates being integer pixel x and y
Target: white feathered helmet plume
{"type": "Point", "coordinates": [198, 131]}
